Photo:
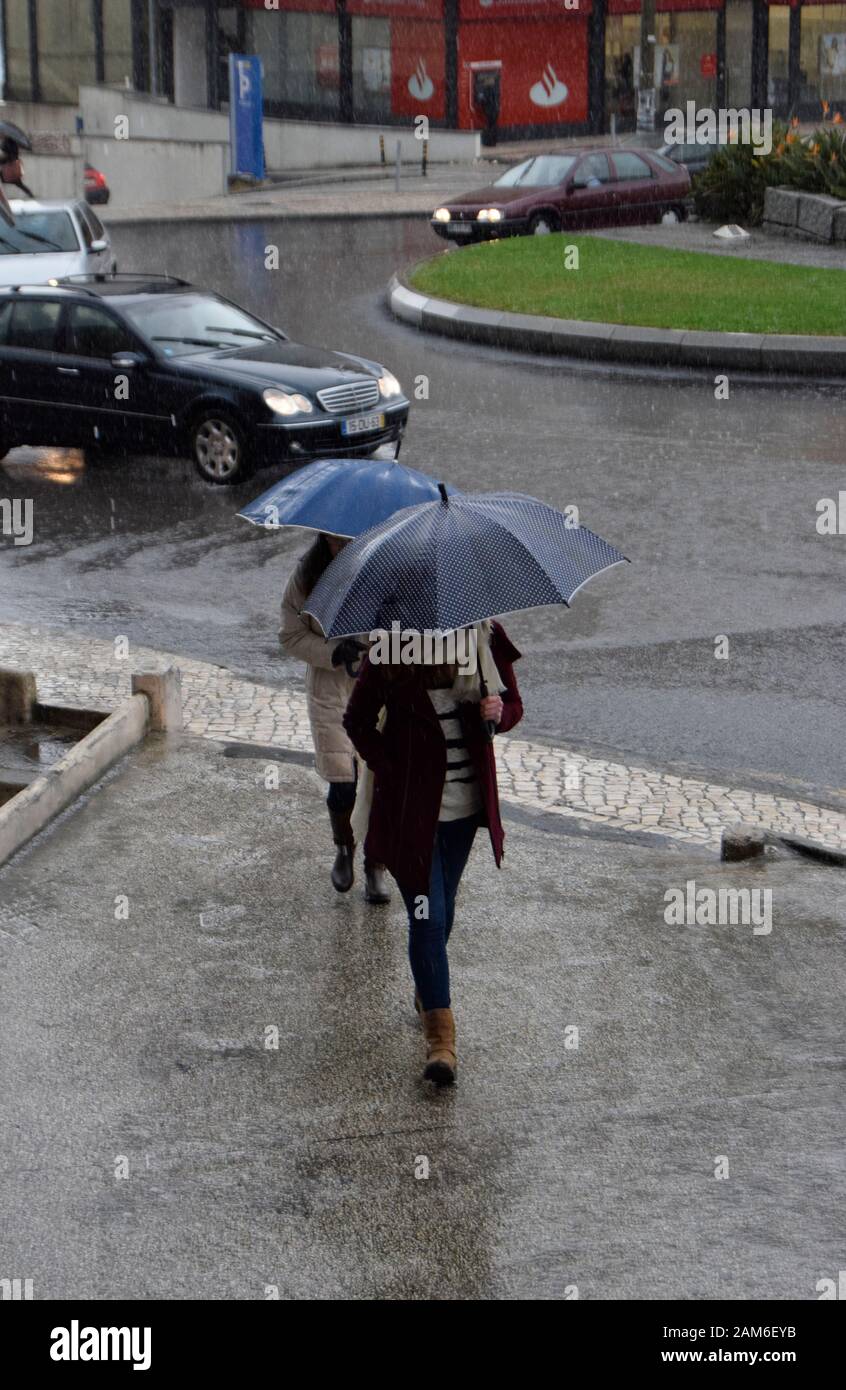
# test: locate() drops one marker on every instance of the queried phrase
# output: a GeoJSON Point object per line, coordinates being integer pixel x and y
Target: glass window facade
{"type": "Point", "coordinates": [822, 60]}
{"type": "Point", "coordinates": [18, 84]}
{"type": "Point", "coordinates": [738, 53]}
{"type": "Point", "coordinates": [310, 64]}
{"type": "Point", "coordinates": [117, 42]}
{"type": "Point", "coordinates": [66, 49]}
{"type": "Point", "coordinates": [371, 39]}
{"type": "Point", "coordinates": [778, 96]}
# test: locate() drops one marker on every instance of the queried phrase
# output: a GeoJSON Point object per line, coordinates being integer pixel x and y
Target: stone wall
{"type": "Point", "coordinates": [808, 216]}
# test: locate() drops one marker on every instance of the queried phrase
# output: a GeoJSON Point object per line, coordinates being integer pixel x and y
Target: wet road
{"type": "Point", "coordinates": [714, 501]}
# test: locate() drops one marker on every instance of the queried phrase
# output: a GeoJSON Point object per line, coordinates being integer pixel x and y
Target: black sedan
{"type": "Point", "coordinates": [144, 363]}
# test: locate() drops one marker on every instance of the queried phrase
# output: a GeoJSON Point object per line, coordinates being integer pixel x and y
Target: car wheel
{"type": "Point", "coordinates": [543, 223]}
{"type": "Point", "coordinates": [218, 447]}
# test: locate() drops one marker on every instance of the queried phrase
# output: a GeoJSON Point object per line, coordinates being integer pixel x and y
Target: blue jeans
{"type": "Point", "coordinates": [428, 936]}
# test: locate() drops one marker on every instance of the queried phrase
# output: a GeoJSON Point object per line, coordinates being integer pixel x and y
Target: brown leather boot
{"type": "Point", "coordinates": [376, 888]}
{"type": "Point", "coordinates": [342, 869]}
{"type": "Point", "coordinates": [441, 1058]}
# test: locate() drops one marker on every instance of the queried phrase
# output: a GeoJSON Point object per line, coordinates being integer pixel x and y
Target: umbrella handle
{"type": "Point", "coordinates": [490, 726]}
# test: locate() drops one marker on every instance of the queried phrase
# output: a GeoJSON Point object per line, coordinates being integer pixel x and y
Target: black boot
{"type": "Point", "coordinates": [375, 883]}
{"type": "Point", "coordinates": [342, 869]}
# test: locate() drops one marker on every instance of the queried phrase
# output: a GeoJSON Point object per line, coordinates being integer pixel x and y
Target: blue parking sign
{"type": "Point", "coordinates": [245, 116]}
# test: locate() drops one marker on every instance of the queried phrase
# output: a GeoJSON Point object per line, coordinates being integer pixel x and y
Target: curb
{"type": "Point", "coordinates": [152, 706]}
{"type": "Point", "coordinates": [611, 342]}
{"type": "Point", "coordinates": [142, 218]}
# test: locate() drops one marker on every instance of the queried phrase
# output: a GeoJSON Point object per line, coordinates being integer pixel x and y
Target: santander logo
{"type": "Point", "coordinates": [420, 83]}
{"type": "Point", "coordinates": [550, 90]}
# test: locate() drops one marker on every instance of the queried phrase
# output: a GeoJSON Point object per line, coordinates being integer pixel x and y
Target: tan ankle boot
{"type": "Point", "coordinates": [441, 1058]}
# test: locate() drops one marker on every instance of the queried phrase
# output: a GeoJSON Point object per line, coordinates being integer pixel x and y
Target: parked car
{"type": "Point", "coordinates": [695, 158]}
{"type": "Point", "coordinates": [96, 187]}
{"type": "Point", "coordinates": [202, 377]}
{"type": "Point", "coordinates": [553, 192]}
{"type": "Point", "coordinates": [50, 240]}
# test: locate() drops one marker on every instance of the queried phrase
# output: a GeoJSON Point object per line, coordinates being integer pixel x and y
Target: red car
{"type": "Point", "coordinates": [557, 192]}
{"type": "Point", "coordinates": [96, 188]}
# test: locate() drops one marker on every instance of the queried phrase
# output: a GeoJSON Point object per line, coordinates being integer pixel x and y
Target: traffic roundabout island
{"type": "Point", "coordinates": [604, 300]}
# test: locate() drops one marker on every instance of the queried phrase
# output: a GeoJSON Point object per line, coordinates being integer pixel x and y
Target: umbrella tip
{"type": "Point", "coordinates": [442, 490]}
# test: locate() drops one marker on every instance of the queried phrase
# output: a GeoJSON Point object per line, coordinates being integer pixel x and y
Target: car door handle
{"type": "Point", "coordinates": [68, 371]}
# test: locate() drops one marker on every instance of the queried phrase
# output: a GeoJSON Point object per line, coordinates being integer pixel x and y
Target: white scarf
{"type": "Point", "coordinates": [464, 688]}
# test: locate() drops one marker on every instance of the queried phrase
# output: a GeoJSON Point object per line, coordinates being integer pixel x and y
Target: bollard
{"type": "Point", "coordinates": [425, 160]}
{"type": "Point", "coordinates": [164, 693]}
{"type": "Point", "coordinates": [17, 697]}
{"type": "Point", "coordinates": [742, 842]}
{"type": "Point", "coordinates": [397, 171]}
{"type": "Point", "coordinates": [382, 150]}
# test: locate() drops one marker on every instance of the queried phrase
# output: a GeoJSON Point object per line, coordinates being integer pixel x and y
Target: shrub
{"type": "Point", "coordinates": [731, 188]}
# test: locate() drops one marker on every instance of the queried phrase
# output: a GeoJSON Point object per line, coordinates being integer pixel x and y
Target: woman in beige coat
{"type": "Point", "coordinates": [332, 668]}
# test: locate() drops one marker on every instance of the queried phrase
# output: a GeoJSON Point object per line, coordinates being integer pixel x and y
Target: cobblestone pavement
{"type": "Point", "coordinates": [86, 672]}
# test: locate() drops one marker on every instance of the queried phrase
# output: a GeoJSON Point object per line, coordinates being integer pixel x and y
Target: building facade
{"type": "Point", "coordinates": [549, 66]}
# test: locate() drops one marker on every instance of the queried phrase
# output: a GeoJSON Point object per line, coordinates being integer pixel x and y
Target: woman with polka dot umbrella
{"type": "Point", "coordinates": [446, 564]}
{"type": "Point", "coordinates": [424, 731]}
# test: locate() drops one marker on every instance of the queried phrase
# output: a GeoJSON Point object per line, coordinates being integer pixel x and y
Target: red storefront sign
{"type": "Point", "coordinates": [405, 9]}
{"type": "Point", "coordinates": [418, 69]}
{"type": "Point", "coordinates": [544, 73]}
{"type": "Point", "coordinates": [522, 9]}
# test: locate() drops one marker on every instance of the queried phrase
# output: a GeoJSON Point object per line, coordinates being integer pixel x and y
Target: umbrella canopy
{"type": "Point", "coordinates": [341, 497]}
{"type": "Point", "coordinates": [446, 564]}
{"type": "Point", "coordinates": [10, 131]}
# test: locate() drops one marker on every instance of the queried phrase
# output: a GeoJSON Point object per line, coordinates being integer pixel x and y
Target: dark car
{"type": "Point", "coordinates": [147, 363]}
{"type": "Point", "coordinates": [95, 185]}
{"type": "Point", "coordinates": [695, 158]}
{"type": "Point", "coordinates": [556, 192]}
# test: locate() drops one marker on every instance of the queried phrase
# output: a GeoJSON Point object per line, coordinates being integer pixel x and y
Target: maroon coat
{"type": "Point", "coordinates": [409, 758]}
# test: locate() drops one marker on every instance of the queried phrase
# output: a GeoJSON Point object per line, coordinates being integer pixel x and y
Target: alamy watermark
{"type": "Point", "coordinates": [711, 907]}
{"type": "Point", "coordinates": [16, 519]}
{"type": "Point", "coordinates": [429, 647]}
{"type": "Point", "coordinates": [704, 126]}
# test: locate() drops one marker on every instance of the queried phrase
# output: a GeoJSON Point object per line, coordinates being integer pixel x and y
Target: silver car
{"type": "Point", "coordinates": [51, 240]}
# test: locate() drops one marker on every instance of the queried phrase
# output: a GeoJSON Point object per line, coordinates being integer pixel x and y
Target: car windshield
{"type": "Point", "coordinates": [184, 323]}
{"type": "Point", "coordinates": [36, 233]}
{"type": "Point", "coordinates": [541, 172]}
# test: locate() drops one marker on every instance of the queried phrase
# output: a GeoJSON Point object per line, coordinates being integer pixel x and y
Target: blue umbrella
{"type": "Point", "coordinates": [341, 497]}
{"type": "Point", "coordinates": [446, 564]}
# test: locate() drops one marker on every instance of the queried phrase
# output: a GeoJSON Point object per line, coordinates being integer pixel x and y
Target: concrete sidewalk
{"type": "Point", "coordinates": [137, 1044]}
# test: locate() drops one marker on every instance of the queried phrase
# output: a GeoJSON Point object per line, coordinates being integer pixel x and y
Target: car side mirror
{"type": "Point", "coordinates": [97, 246]}
{"type": "Point", "coordinates": [126, 361]}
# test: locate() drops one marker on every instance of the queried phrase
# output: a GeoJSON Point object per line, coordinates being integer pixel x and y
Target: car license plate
{"type": "Point", "coordinates": [362, 424]}
{"type": "Point", "coordinates": [461, 228]}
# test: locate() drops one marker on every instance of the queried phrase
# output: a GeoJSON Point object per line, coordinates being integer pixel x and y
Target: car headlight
{"type": "Point", "coordinates": [389, 386]}
{"type": "Point", "coordinates": [441, 215]}
{"type": "Point", "coordinates": [489, 215]}
{"type": "Point", "coordinates": [287, 403]}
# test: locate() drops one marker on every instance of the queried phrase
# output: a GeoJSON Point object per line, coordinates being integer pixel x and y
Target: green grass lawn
{"type": "Point", "coordinates": [619, 282]}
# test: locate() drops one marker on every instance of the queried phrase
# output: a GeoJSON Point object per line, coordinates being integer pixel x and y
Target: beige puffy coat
{"type": "Point", "coordinates": [328, 687]}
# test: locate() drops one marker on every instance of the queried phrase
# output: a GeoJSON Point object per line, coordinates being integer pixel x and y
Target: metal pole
{"type": "Point", "coordinates": [382, 159]}
{"type": "Point", "coordinates": [398, 170]}
{"type": "Point", "coordinates": [425, 168]}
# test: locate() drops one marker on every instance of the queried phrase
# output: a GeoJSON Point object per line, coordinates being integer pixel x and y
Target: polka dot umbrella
{"type": "Point", "coordinates": [446, 564]}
